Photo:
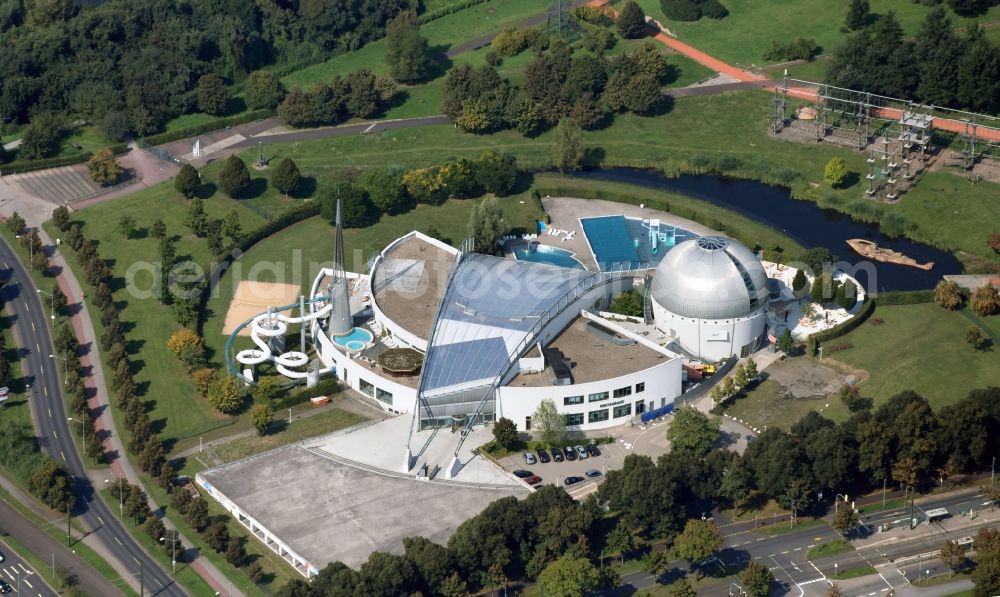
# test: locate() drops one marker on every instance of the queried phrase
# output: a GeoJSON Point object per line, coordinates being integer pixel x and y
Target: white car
{"type": "Point", "coordinates": [1, 556]}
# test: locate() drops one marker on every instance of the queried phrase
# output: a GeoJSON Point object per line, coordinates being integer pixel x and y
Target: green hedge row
{"type": "Point", "coordinates": [447, 10]}
{"type": "Point", "coordinates": [208, 127]}
{"type": "Point", "coordinates": [19, 167]}
{"type": "Point", "coordinates": [867, 308]}
{"type": "Point", "coordinates": [325, 387]}
{"type": "Point", "coordinates": [904, 297]}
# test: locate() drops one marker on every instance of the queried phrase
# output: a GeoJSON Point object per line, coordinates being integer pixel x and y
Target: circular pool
{"type": "Point", "coordinates": [356, 340]}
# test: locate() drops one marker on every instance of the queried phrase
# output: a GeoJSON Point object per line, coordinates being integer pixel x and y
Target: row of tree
{"type": "Point", "coordinates": [557, 85]}
{"type": "Point", "coordinates": [939, 66]}
{"type": "Point", "coordinates": [985, 300]}
{"type": "Point", "coordinates": [358, 95]}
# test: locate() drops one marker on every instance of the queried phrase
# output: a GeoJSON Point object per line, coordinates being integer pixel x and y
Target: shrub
{"type": "Point", "coordinates": [713, 9]}
{"type": "Point", "coordinates": [985, 300]}
{"type": "Point", "coordinates": [835, 172]}
{"type": "Point", "coordinates": [680, 10]}
{"type": "Point", "coordinates": [264, 90]}
{"type": "Point", "coordinates": [234, 177]}
{"type": "Point", "coordinates": [509, 42]}
{"type": "Point", "coordinates": [948, 295]}
{"type": "Point", "coordinates": [631, 20]}
{"type": "Point", "coordinates": [800, 48]}
{"type": "Point", "coordinates": [187, 181]}
{"type": "Point", "coordinates": [594, 15]}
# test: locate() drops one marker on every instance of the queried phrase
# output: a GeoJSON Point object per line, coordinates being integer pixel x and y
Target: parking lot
{"type": "Point", "coordinates": [554, 473]}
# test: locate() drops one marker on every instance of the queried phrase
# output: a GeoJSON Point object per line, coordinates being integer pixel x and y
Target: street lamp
{"type": "Point", "coordinates": [64, 360]}
{"type": "Point", "coordinates": [31, 253]}
{"type": "Point", "coordinates": [83, 434]}
{"type": "Point", "coordinates": [52, 300]}
{"type": "Point", "coordinates": [121, 499]}
{"type": "Point", "coordinates": [173, 551]}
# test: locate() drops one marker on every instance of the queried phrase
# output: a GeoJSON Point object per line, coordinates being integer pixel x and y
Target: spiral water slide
{"type": "Point", "coordinates": [270, 325]}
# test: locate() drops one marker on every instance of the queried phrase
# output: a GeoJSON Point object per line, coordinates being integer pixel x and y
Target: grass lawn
{"type": "Point", "coordinates": [853, 573]}
{"type": "Point", "coordinates": [326, 422]}
{"type": "Point", "coordinates": [743, 37]}
{"type": "Point", "coordinates": [831, 548]}
{"type": "Point", "coordinates": [878, 507]}
{"type": "Point", "coordinates": [937, 361]}
{"type": "Point", "coordinates": [764, 406]}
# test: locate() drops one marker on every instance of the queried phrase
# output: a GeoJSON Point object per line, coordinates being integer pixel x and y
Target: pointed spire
{"type": "Point", "coordinates": [338, 247]}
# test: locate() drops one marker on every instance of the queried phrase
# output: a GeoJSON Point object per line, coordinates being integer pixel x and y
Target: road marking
{"type": "Point", "coordinates": [136, 561]}
{"type": "Point", "coordinates": [370, 127]}
{"type": "Point", "coordinates": [32, 326]}
{"type": "Point", "coordinates": [63, 454]}
{"type": "Point", "coordinates": [27, 306]}
{"type": "Point", "coordinates": [50, 411]}
{"type": "Point", "coordinates": [45, 390]}
{"type": "Point", "coordinates": [28, 583]}
{"type": "Point", "coordinates": [37, 347]}
{"type": "Point", "coordinates": [784, 552]}
{"type": "Point", "coordinates": [118, 540]}
{"type": "Point", "coordinates": [55, 433]}
{"type": "Point", "coordinates": [26, 571]}
{"type": "Point", "coordinates": [811, 545]}
{"type": "Point", "coordinates": [809, 582]}
{"type": "Point", "coordinates": [7, 572]}
{"type": "Point", "coordinates": [797, 549]}
{"type": "Point", "coordinates": [157, 581]}
{"type": "Point", "coordinates": [100, 519]}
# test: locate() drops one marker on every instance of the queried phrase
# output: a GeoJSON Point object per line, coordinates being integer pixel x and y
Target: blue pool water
{"type": "Point", "coordinates": [545, 254]}
{"type": "Point", "coordinates": [617, 239]}
{"type": "Point", "coordinates": [351, 340]}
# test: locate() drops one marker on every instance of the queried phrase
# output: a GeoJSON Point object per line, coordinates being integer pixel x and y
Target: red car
{"type": "Point", "coordinates": [533, 480]}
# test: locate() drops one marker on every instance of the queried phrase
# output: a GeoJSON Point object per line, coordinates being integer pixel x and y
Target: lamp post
{"type": "Point", "coordinates": [121, 498]}
{"type": "Point", "coordinates": [83, 434]}
{"type": "Point", "coordinates": [31, 253]}
{"type": "Point", "coordinates": [52, 300]}
{"type": "Point", "coordinates": [173, 551]}
{"type": "Point", "coordinates": [65, 361]}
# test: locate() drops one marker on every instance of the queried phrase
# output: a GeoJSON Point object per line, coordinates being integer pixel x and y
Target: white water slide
{"type": "Point", "coordinates": [270, 325]}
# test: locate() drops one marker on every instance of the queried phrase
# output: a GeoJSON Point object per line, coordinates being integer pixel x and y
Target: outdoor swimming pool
{"type": "Point", "coordinates": [537, 253]}
{"type": "Point", "coordinates": [357, 339]}
{"type": "Point", "coordinates": [616, 240]}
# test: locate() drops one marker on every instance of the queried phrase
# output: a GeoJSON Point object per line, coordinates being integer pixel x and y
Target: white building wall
{"type": "Point", "coordinates": [662, 386]}
{"type": "Point", "coordinates": [711, 339]}
{"type": "Point", "coordinates": [352, 372]}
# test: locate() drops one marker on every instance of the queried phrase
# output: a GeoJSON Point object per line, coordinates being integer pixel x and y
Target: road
{"type": "Point", "coordinates": [898, 555]}
{"type": "Point", "coordinates": [41, 377]}
{"type": "Point", "coordinates": [16, 572]}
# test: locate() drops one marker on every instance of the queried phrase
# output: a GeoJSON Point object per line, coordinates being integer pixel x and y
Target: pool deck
{"type": "Point", "coordinates": [566, 213]}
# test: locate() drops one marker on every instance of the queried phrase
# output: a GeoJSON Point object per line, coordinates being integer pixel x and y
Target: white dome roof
{"type": "Point", "coordinates": [711, 277]}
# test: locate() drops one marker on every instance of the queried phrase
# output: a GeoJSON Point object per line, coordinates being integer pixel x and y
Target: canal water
{"type": "Point", "coordinates": [803, 221]}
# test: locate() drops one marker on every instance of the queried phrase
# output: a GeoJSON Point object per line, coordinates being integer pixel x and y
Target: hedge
{"type": "Point", "coordinates": [903, 297]}
{"type": "Point", "coordinates": [325, 387]}
{"type": "Point", "coordinates": [447, 10]}
{"type": "Point", "coordinates": [208, 127]}
{"type": "Point", "coordinates": [867, 308]}
{"type": "Point", "coordinates": [18, 167]}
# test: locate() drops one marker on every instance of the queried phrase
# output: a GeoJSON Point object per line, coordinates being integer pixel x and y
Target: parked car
{"type": "Point", "coordinates": [581, 453]}
{"type": "Point", "coordinates": [569, 452]}
{"type": "Point", "coordinates": [593, 451]}
{"type": "Point", "coordinates": [522, 474]}
{"type": "Point", "coordinates": [1, 556]}
{"type": "Point", "coordinates": [557, 455]}
{"type": "Point", "coordinates": [533, 480]}
{"type": "Point", "coordinates": [572, 480]}
{"type": "Point", "coordinates": [543, 456]}
{"type": "Point", "coordinates": [593, 473]}
{"type": "Point", "coordinates": [529, 458]}
{"type": "Point", "coordinates": [4, 588]}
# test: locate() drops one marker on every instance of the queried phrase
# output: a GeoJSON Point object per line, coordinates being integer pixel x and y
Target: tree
{"type": "Point", "coordinates": [858, 15]}
{"type": "Point", "coordinates": [835, 172]}
{"type": "Point", "coordinates": [407, 52]}
{"type": "Point", "coordinates": [847, 295]}
{"type": "Point", "coordinates": [285, 177]}
{"type": "Point", "coordinates": [187, 181]}
{"type": "Point", "coordinates": [497, 172]}
{"type": "Point", "coordinates": [834, 591]}
{"type": "Point", "coordinates": [735, 484]}
{"type": "Point", "coordinates": [681, 588]}
{"type": "Point", "coordinates": [203, 380]}
{"type": "Point", "coordinates": [196, 219]}
{"type": "Point", "coordinates": [976, 338]}
{"type": "Point", "coordinates": [262, 415]}
{"type": "Point", "coordinates": [504, 432]}
{"type": "Point", "coordinates": [197, 514]}
{"type": "Point", "coordinates": [850, 395]}
{"type": "Point", "coordinates": [487, 225]}
{"type": "Point", "coordinates": [567, 152]}
{"type": "Point", "coordinates": [16, 224]}
{"type": "Point", "coordinates": [824, 288]}
{"type": "Point", "coordinates": [985, 300]}
{"type": "Point", "coordinates": [386, 190]}
{"type": "Point", "coordinates": [225, 395]}
{"type": "Point", "coordinates": [631, 20]}
{"type": "Point", "coordinates": [785, 342]}
{"type": "Point", "coordinates": [948, 294]}
{"type": "Point", "coordinates": [264, 90]}
{"type": "Point", "coordinates": [986, 574]}
{"type": "Point", "coordinates": [60, 216]}
{"type": "Point", "coordinates": [627, 303]}
{"type": "Point", "coordinates": [235, 552]}
{"type": "Point", "coordinates": [693, 431]}
{"type": "Point", "coordinates": [386, 574]}
{"type": "Point", "coordinates": [231, 226]}
{"type": "Point", "coordinates": [104, 168]}
{"type": "Point", "coordinates": [40, 138]}
{"type": "Point", "coordinates": [620, 541]}
{"type": "Point", "coordinates": [953, 555]}
{"type": "Point", "coordinates": [845, 519]}
{"type": "Point", "coordinates": [548, 422]}
{"type": "Point", "coordinates": [126, 225]}
{"type": "Point", "coordinates": [234, 178]}
{"type": "Point", "coordinates": [569, 576]}
{"type": "Point", "coordinates": [699, 540]}
{"type": "Point", "coordinates": [212, 95]}
{"type": "Point", "coordinates": [756, 579]}
{"type": "Point", "coordinates": [799, 282]}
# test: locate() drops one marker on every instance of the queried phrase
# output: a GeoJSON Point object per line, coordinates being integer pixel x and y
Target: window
{"type": "Point", "coordinates": [527, 423]}
{"type": "Point", "coordinates": [622, 392]}
{"type": "Point", "coordinates": [571, 400]}
{"type": "Point", "coordinates": [574, 420]}
{"type": "Point", "coordinates": [640, 407]}
{"type": "Point", "coordinates": [640, 387]}
{"type": "Point", "coordinates": [596, 416]}
{"type": "Point", "coordinates": [383, 395]}
{"type": "Point", "coordinates": [622, 411]}
{"type": "Point", "coordinates": [597, 397]}
{"type": "Point", "coordinates": [366, 388]}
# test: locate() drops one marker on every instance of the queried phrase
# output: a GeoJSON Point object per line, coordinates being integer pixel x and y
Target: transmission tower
{"type": "Point", "coordinates": [559, 22]}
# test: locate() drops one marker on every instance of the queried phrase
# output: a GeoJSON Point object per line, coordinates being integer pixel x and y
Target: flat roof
{"type": "Point", "coordinates": [409, 284]}
{"type": "Point", "coordinates": [592, 359]}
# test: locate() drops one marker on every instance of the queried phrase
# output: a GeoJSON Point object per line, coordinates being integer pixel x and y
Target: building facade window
{"type": "Point", "coordinates": [597, 397]}
{"type": "Point", "coordinates": [571, 400]}
{"type": "Point", "coordinates": [596, 416]}
{"type": "Point", "coordinates": [640, 387]}
{"type": "Point", "coordinates": [622, 411]}
{"type": "Point", "coordinates": [527, 423]}
{"type": "Point", "coordinates": [383, 395]}
{"type": "Point", "coordinates": [574, 420]}
{"type": "Point", "coordinates": [640, 407]}
{"type": "Point", "coordinates": [366, 387]}
{"type": "Point", "coordinates": [622, 392]}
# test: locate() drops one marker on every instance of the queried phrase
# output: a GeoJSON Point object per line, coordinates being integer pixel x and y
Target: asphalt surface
{"type": "Point", "coordinates": [899, 558]}
{"type": "Point", "coordinates": [45, 547]}
{"type": "Point", "coordinates": [45, 394]}
{"type": "Point", "coordinates": [341, 131]}
{"type": "Point", "coordinates": [17, 574]}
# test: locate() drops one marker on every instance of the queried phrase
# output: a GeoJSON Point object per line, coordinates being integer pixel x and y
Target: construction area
{"type": "Point", "coordinates": [901, 139]}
